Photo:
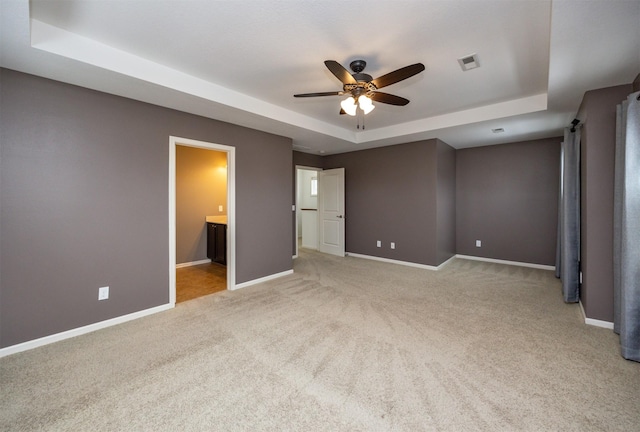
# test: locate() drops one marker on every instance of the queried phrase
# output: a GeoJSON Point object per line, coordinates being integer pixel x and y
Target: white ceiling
{"type": "Point", "coordinates": [242, 61]}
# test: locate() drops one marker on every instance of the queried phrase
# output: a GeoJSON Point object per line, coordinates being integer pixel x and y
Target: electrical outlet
{"type": "Point", "coordinates": [103, 293]}
{"type": "Point", "coordinates": [220, 208]}
{"type": "Point", "coordinates": [478, 243]}
{"type": "Point", "coordinates": [393, 245]}
{"type": "Point", "coordinates": [378, 243]}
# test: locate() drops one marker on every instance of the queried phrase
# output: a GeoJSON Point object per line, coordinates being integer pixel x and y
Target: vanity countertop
{"type": "Point", "coordinates": [217, 219]}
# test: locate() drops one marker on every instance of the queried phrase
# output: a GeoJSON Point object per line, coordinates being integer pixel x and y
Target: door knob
{"type": "Point", "coordinates": [339, 216]}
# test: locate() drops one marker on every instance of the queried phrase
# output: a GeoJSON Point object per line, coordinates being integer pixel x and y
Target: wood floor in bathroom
{"type": "Point", "coordinates": [200, 280]}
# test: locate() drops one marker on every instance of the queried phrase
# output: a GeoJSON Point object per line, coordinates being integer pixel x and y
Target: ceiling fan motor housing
{"type": "Point", "coordinates": [363, 86]}
{"type": "Point", "coordinates": [358, 65]}
{"type": "Point", "coordinates": [362, 77]}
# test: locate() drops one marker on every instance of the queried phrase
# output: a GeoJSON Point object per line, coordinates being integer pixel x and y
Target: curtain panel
{"type": "Point", "coordinates": [626, 253]}
{"type": "Point", "coordinates": [568, 243]}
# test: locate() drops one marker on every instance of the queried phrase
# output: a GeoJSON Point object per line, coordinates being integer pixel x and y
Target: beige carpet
{"type": "Point", "coordinates": [341, 345]}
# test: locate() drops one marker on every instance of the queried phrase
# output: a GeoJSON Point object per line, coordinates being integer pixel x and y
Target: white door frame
{"type": "Point", "coordinates": [231, 209]}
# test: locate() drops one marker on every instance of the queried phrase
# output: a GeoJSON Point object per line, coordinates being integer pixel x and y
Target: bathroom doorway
{"type": "Point", "coordinates": [201, 212]}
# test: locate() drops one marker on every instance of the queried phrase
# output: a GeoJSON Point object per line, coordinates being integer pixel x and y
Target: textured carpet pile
{"type": "Point", "coordinates": [343, 344]}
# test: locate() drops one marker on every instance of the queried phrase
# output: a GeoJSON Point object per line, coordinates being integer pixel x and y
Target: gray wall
{"type": "Point", "coordinates": [392, 196]}
{"type": "Point", "coordinates": [507, 197]}
{"type": "Point", "coordinates": [307, 160]}
{"type": "Point", "coordinates": [84, 203]}
{"type": "Point", "coordinates": [446, 202]}
{"type": "Point", "coordinates": [201, 187]}
{"type": "Point", "coordinates": [439, 200]}
{"type": "Point", "coordinates": [598, 113]}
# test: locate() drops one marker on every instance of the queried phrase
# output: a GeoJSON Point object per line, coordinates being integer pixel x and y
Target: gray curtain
{"type": "Point", "coordinates": [568, 244]}
{"type": "Point", "coordinates": [621, 125]}
{"type": "Point", "coordinates": [626, 253]}
{"type": "Point", "coordinates": [559, 236]}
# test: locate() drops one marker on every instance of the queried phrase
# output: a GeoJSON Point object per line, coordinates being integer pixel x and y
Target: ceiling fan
{"type": "Point", "coordinates": [362, 88]}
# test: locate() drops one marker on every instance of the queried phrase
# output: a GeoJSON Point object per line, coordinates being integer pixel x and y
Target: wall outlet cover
{"type": "Point", "coordinates": [103, 293]}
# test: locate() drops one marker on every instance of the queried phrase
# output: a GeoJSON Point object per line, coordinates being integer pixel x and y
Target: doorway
{"type": "Point", "coordinates": [320, 205]}
{"type": "Point", "coordinates": [188, 233]}
{"type": "Point", "coordinates": [306, 208]}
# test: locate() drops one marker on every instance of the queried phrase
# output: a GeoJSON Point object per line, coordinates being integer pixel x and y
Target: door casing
{"type": "Point", "coordinates": [231, 209]}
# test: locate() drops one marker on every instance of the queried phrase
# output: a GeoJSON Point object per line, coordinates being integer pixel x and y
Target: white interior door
{"type": "Point", "coordinates": [331, 211]}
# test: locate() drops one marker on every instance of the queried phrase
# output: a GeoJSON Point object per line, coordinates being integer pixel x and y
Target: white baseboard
{"type": "Point", "coordinates": [193, 263]}
{"type": "Point", "coordinates": [595, 322]}
{"type": "Point", "coordinates": [81, 330]}
{"type": "Point", "coordinates": [262, 279]}
{"type": "Point", "coordinates": [446, 262]}
{"type": "Point", "coordinates": [404, 263]}
{"type": "Point", "coordinates": [514, 263]}
{"type": "Point", "coordinates": [599, 323]}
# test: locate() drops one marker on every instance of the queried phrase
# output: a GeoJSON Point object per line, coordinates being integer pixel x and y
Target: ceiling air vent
{"type": "Point", "coordinates": [469, 62]}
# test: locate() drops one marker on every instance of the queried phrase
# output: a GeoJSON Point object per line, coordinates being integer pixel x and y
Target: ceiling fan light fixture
{"type": "Point", "coordinates": [349, 106]}
{"type": "Point", "coordinates": [365, 104]}
{"type": "Point", "coordinates": [362, 89]}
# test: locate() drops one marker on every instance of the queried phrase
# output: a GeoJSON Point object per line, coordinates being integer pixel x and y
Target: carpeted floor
{"type": "Point", "coordinates": [343, 344]}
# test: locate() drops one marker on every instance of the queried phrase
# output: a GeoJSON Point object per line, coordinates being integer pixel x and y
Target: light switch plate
{"type": "Point", "coordinates": [220, 208]}
{"type": "Point", "coordinates": [478, 243]}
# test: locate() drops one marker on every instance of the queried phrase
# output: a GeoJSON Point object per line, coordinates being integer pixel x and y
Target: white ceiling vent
{"type": "Point", "coordinates": [469, 62]}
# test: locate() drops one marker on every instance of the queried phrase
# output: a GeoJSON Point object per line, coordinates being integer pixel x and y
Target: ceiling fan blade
{"type": "Point", "coordinates": [388, 98]}
{"type": "Point", "coordinates": [333, 93]}
{"type": "Point", "coordinates": [398, 75]}
{"type": "Point", "coordinates": [340, 72]}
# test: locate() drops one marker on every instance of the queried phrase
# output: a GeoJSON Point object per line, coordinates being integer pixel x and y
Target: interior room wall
{"type": "Point", "coordinates": [84, 203]}
{"type": "Point", "coordinates": [391, 196]}
{"type": "Point", "coordinates": [597, 148]}
{"type": "Point", "coordinates": [307, 160]}
{"type": "Point", "coordinates": [507, 197]}
{"type": "Point", "coordinates": [446, 202]}
{"type": "Point", "coordinates": [201, 188]}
